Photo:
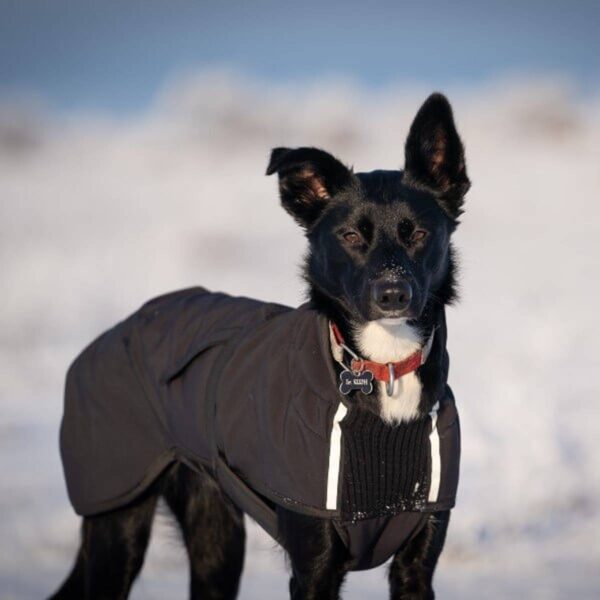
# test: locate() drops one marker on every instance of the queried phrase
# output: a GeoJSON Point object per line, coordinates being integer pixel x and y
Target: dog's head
{"type": "Point", "coordinates": [380, 241]}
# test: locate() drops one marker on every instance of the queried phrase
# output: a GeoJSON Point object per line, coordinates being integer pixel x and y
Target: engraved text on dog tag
{"type": "Point", "coordinates": [350, 381]}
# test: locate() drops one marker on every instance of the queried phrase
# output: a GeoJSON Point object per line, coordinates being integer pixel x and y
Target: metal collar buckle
{"type": "Point", "coordinates": [389, 385]}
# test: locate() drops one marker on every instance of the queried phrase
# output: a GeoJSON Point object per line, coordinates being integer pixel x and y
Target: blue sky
{"type": "Point", "coordinates": [115, 56]}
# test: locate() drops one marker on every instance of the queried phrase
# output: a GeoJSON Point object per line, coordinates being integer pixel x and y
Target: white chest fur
{"type": "Point", "coordinates": [386, 341]}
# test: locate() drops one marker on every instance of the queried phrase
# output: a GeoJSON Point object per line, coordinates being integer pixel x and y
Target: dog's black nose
{"type": "Point", "coordinates": [391, 296]}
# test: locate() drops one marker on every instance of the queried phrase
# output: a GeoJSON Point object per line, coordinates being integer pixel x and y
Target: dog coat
{"type": "Point", "coordinates": [249, 390]}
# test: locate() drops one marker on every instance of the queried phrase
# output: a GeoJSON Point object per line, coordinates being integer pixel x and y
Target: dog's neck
{"type": "Point", "coordinates": [386, 340]}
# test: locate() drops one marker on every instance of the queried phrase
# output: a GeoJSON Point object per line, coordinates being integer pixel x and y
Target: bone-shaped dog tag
{"type": "Point", "coordinates": [350, 381]}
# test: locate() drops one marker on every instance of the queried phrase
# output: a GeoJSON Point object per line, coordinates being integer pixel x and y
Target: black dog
{"type": "Point", "coordinates": [380, 271]}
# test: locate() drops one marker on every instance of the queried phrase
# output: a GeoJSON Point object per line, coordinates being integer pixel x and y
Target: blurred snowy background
{"type": "Point", "coordinates": [133, 144]}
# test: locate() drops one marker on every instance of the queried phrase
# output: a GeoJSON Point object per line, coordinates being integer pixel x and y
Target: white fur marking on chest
{"type": "Point", "coordinates": [390, 341]}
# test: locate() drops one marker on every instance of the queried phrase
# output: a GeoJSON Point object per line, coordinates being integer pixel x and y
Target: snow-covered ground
{"type": "Point", "coordinates": [97, 215]}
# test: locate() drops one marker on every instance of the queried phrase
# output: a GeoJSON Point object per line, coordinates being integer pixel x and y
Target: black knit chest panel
{"type": "Point", "coordinates": [385, 467]}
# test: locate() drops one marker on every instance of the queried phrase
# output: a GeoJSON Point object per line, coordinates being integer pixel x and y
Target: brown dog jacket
{"type": "Point", "coordinates": [250, 390]}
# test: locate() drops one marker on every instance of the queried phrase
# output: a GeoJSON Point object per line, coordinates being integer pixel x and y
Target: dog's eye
{"type": "Point", "coordinates": [353, 238]}
{"type": "Point", "coordinates": [418, 235]}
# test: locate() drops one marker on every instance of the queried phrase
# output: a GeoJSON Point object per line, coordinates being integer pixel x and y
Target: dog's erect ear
{"type": "Point", "coordinates": [434, 154]}
{"type": "Point", "coordinates": [308, 178]}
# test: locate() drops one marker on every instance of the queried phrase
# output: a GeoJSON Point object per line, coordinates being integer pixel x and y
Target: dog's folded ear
{"type": "Point", "coordinates": [434, 155]}
{"type": "Point", "coordinates": [308, 179]}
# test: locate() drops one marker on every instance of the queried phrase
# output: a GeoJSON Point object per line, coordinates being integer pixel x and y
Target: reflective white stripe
{"type": "Point", "coordinates": [335, 456]}
{"type": "Point", "coordinates": [434, 443]}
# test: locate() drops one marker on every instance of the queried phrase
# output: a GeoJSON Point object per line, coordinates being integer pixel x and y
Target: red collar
{"type": "Point", "coordinates": [385, 372]}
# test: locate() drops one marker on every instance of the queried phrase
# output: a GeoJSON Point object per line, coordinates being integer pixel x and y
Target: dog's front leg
{"type": "Point", "coordinates": [317, 555]}
{"type": "Point", "coordinates": [411, 571]}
